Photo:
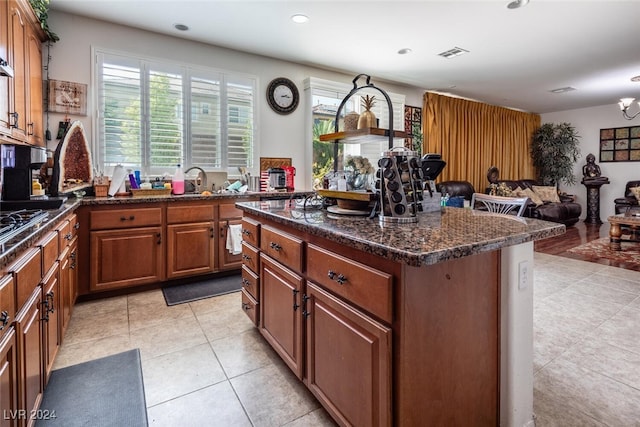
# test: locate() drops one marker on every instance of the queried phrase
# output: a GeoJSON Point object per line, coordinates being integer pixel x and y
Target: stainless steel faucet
{"type": "Point", "coordinates": [203, 179]}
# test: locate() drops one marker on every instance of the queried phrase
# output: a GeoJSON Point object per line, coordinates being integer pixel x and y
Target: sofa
{"type": "Point", "coordinates": [622, 204]}
{"type": "Point", "coordinates": [564, 211]}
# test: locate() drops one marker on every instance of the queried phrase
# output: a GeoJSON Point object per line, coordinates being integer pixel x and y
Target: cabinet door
{"type": "Point", "coordinates": [18, 30]}
{"type": "Point", "coordinates": [124, 258]}
{"type": "Point", "coordinates": [35, 131]}
{"type": "Point", "coordinates": [5, 83]}
{"type": "Point", "coordinates": [64, 279]}
{"type": "Point", "coordinates": [280, 312]}
{"type": "Point", "coordinates": [190, 249]}
{"type": "Point", "coordinates": [52, 337]}
{"type": "Point", "coordinates": [226, 259]}
{"type": "Point", "coordinates": [30, 352]}
{"type": "Point", "coordinates": [348, 361]}
{"type": "Point", "coordinates": [8, 379]}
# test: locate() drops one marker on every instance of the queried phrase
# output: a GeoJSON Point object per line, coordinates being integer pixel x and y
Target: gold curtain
{"type": "Point", "coordinates": [472, 137]}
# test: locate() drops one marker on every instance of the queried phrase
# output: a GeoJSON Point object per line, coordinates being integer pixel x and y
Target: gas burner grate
{"type": "Point", "coordinates": [13, 223]}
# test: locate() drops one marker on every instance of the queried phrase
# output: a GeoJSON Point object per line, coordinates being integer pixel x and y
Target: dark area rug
{"type": "Point", "coordinates": [179, 294]}
{"type": "Point", "coordinates": [599, 251]}
{"type": "Point", "coordinates": [102, 392]}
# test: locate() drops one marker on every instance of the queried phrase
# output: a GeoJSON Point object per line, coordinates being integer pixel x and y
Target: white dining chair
{"type": "Point", "coordinates": [499, 204]}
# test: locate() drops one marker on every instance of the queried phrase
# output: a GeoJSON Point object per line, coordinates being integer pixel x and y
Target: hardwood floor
{"type": "Point", "coordinates": [576, 235]}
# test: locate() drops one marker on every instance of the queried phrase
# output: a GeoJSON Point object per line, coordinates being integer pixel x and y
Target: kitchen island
{"type": "Point", "coordinates": [427, 323]}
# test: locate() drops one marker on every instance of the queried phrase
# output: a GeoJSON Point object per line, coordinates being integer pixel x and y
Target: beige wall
{"type": "Point", "coordinates": [588, 122]}
{"type": "Point", "coordinates": [278, 136]}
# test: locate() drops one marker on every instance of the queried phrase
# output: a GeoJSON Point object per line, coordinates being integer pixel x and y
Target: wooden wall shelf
{"type": "Point", "coordinates": [361, 136]}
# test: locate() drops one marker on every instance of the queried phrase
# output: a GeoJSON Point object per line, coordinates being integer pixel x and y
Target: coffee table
{"type": "Point", "coordinates": [626, 223]}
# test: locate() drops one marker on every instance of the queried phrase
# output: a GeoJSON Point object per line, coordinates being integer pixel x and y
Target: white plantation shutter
{"type": "Point", "coordinates": [153, 115]}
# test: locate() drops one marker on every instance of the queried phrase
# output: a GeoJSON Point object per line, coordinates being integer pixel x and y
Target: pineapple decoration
{"type": "Point", "coordinates": [367, 118]}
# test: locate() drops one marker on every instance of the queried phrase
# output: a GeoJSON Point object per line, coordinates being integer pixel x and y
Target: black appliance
{"type": "Point", "coordinates": [18, 162]}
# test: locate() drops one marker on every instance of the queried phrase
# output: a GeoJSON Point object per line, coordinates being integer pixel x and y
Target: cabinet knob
{"type": "Point", "coordinates": [245, 231]}
{"type": "Point", "coordinates": [246, 306]}
{"type": "Point", "coordinates": [245, 282]}
{"type": "Point", "coordinates": [30, 128]}
{"type": "Point", "coordinates": [331, 274]}
{"type": "Point", "coordinates": [246, 257]}
{"type": "Point", "coordinates": [76, 226]}
{"type": "Point", "coordinates": [15, 116]}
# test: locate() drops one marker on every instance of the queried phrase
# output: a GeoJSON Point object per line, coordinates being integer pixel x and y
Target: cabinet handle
{"type": "Point", "coordinates": [45, 308]}
{"type": "Point", "coordinates": [159, 236]}
{"type": "Point", "coordinates": [30, 128]}
{"type": "Point", "coordinates": [275, 246]}
{"type": "Point", "coordinates": [4, 319]}
{"type": "Point", "coordinates": [72, 265]}
{"type": "Point", "coordinates": [76, 226]}
{"type": "Point", "coordinates": [245, 282]}
{"type": "Point", "coordinates": [67, 236]}
{"type": "Point", "coordinates": [246, 306]}
{"type": "Point", "coordinates": [222, 231]}
{"type": "Point", "coordinates": [124, 218]}
{"type": "Point", "coordinates": [246, 257]}
{"type": "Point", "coordinates": [340, 278]}
{"type": "Point", "coordinates": [245, 231]}
{"type": "Point", "coordinates": [50, 296]}
{"type": "Point", "coordinates": [211, 231]}
{"type": "Point", "coordinates": [15, 116]}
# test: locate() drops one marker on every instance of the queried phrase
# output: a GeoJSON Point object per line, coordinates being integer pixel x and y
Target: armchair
{"type": "Point", "coordinates": [629, 199]}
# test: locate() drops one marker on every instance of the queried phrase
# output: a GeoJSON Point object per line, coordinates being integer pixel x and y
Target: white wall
{"type": "Point", "coordinates": [588, 122]}
{"type": "Point", "coordinates": [278, 136]}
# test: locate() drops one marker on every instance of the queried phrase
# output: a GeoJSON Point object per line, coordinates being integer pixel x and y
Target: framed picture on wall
{"type": "Point", "coordinates": [67, 97]}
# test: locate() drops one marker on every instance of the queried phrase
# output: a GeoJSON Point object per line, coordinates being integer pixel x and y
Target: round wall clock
{"type": "Point", "coordinates": [282, 95]}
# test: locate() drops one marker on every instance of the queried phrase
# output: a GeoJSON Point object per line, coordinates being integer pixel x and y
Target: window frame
{"type": "Point", "coordinates": [188, 72]}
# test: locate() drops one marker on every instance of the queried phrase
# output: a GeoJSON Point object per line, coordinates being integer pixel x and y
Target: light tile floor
{"type": "Point", "coordinates": [205, 364]}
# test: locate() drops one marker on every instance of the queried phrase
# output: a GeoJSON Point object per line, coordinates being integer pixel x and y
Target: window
{"type": "Point", "coordinates": [326, 98]}
{"type": "Point", "coordinates": [153, 115]}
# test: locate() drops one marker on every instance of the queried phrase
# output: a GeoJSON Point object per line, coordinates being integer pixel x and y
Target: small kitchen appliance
{"type": "Point", "coordinates": [290, 173]}
{"type": "Point", "coordinates": [277, 178]}
{"type": "Point", "coordinates": [18, 162]}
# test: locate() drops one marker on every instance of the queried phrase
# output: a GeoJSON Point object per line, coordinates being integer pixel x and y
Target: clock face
{"type": "Point", "coordinates": [282, 95]}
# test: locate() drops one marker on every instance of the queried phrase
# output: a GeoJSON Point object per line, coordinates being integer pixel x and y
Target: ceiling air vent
{"type": "Point", "coordinates": [563, 89]}
{"type": "Point", "coordinates": [456, 51]}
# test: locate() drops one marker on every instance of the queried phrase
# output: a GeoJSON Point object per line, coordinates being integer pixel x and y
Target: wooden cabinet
{"type": "Point", "coordinates": [250, 269]}
{"type": "Point", "coordinates": [68, 272]}
{"type": "Point", "coordinates": [51, 318]}
{"type": "Point", "coordinates": [23, 37]}
{"type": "Point", "coordinates": [229, 216]}
{"type": "Point", "coordinates": [348, 360]}
{"type": "Point", "coordinates": [126, 248]}
{"type": "Point", "coordinates": [191, 240]}
{"type": "Point", "coordinates": [281, 312]}
{"type": "Point", "coordinates": [8, 379]}
{"type": "Point", "coordinates": [329, 318]}
{"type": "Point", "coordinates": [30, 350]}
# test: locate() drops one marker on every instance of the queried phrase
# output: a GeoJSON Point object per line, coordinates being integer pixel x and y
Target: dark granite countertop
{"type": "Point", "coordinates": [437, 236]}
{"type": "Point", "coordinates": [190, 197]}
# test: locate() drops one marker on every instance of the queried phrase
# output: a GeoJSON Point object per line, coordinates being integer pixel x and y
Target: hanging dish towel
{"type": "Point", "coordinates": [234, 239]}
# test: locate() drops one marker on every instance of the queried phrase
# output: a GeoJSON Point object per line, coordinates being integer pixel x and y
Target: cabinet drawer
{"type": "Point", "coordinates": [64, 234]}
{"type": "Point", "coordinates": [250, 307]}
{"type": "Point", "coordinates": [250, 257]}
{"type": "Point", "coordinates": [229, 210]}
{"type": "Point", "coordinates": [361, 285]}
{"type": "Point", "coordinates": [251, 232]}
{"type": "Point", "coordinates": [27, 273]}
{"type": "Point", "coordinates": [190, 213]}
{"type": "Point", "coordinates": [285, 248]}
{"type": "Point", "coordinates": [250, 281]}
{"type": "Point", "coordinates": [7, 302]}
{"type": "Point", "coordinates": [50, 250]}
{"type": "Point", "coordinates": [125, 218]}
{"type": "Point", "coordinates": [74, 226]}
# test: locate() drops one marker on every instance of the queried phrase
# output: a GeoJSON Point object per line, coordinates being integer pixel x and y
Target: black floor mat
{"type": "Point", "coordinates": [104, 392]}
{"type": "Point", "coordinates": [179, 294]}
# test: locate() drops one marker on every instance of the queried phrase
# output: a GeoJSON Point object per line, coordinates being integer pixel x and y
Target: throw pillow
{"type": "Point", "coordinates": [547, 193]}
{"type": "Point", "coordinates": [636, 192]}
{"type": "Point", "coordinates": [527, 192]}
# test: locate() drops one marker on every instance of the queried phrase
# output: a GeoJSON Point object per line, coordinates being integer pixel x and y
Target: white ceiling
{"type": "Point", "coordinates": [517, 56]}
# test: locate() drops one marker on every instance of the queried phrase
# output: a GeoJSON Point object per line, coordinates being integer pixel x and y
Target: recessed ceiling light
{"type": "Point", "coordinates": [404, 51]}
{"type": "Point", "coordinates": [516, 4]}
{"type": "Point", "coordinates": [635, 79]}
{"type": "Point", "coordinates": [563, 89]}
{"type": "Point", "coordinates": [181, 27]}
{"type": "Point", "coordinates": [299, 18]}
{"type": "Point", "coordinates": [456, 51]}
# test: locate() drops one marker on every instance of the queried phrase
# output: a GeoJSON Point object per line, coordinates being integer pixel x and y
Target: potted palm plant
{"type": "Point", "coordinates": [554, 150]}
